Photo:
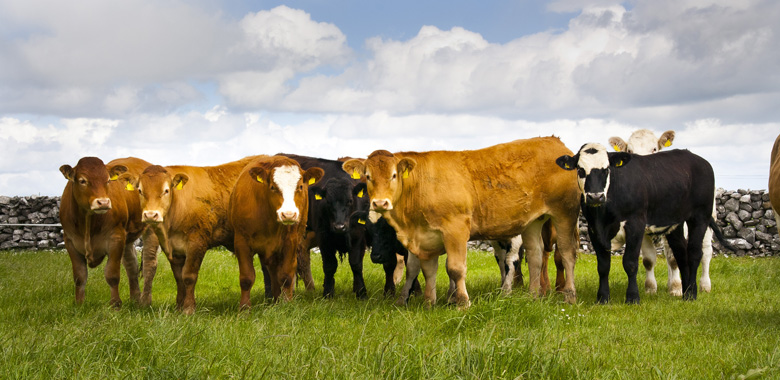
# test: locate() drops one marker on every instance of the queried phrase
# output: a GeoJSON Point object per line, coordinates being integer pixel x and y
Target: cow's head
{"type": "Point", "coordinates": [642, 142]}
{"type": "Point", "coordinates": [286, 188]}
{"type": "Point", "coordinates": [384, 241]}
{"type": "Point", "coordinates": [384, 175]}
{"type": "Point", "coordinates": [335, 202]}
{"type": "Point", "coordinates": [156, 187]}
{"type": "Point", "coordinates": [90, 180]}
{"type": "Point", "coordinates": [593, 165]}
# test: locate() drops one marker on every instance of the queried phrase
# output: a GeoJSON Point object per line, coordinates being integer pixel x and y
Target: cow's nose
{"type": "Point", "coordinates": [288, 217]}
{"type": "Point", "coordinates": [101, 204]}
{"type": "Point", "coordinates": [340, 227]}
{"type": "Point", "coordinates": [596, 198]}
{"type": "Point", "coordinates": [381, 204]}
{"type": "Point", "coordinates": [152, 216]}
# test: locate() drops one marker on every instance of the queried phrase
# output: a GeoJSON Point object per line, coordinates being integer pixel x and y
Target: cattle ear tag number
{"type": "Point", "coordinates": [361, 221]}
{"type": "Point", "coordinates": [312, 180]}
{"type": "Point", "coordinates": [317, 197]}
{"type": "Point", "coordinates": [355, 174]}
{"type": "Point", "coordinates": [360, 194]}
{"type": "Point", "coordinates": [406, 173]}
{"type": "Point", "coordinates": [617, 148]}
{"type": "Point", "coordinates": [259, 179]}
{"type": "Point", "coordinates": [668, 143]}
{"type": "Point", "coordinates": [180, 185]}
{"type": "Point", "coordinates": [129, 187]}
{"type": "Point", "coordinates": [114, 177]}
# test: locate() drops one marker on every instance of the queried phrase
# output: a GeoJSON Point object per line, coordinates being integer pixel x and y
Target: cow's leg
{"type": "Point", "coordinates": [532, 242]}
{"type": "Point", "coordinates": [356, 254]}
{"type": "Point", "coordinates": [112, 270]}
{"type": "Point", "coordinates": [678, 246]}
{"type": "Point", "coordinates": [512, 262]}
{"type": "Point", "coordinates": [696, 231]}
{"type": "Point", "coordinates": [706, 256]}
{"type": "Point", "coordinates": [149, 262]}
{"type": "Point", "coordinates": [329, 265]}
{"type": "Point", "coordinates": [567, 241]}
{"type": "Point", "coordinates": [130, 262]}
{"type": "Point", "coordinates": [544, 275]}
{"type": "Point", "coordinates": [500, 253]}
{"type": "Point", "coordinates": [412, 270]}
{"type": "Point", "coordinates": [190, 276]}
{"type": "Point", "coordinates": [674, 281]}
{"type": "Point", "coordinates": [246, 269]}
{"type": "Point", "coordinates": [634, 236]}
{"type": "Point", "coordinates": [455, 238]}
{"type": "Point", "coordinates": [560, 272]}
{"type": "Point", "coordinates": [400, 267]}
{"type": "Point", "coordinates": [429, 268]}
{"type": "Point", "coordinates": [79, 265]}
{"type": "Point", "coordinates": [603, 264]}
{"type": "Point", "coordinates": [649, 258]}
{"type": "Point", "coordinates": [304, 268]}
{"type": "Point", "coordinates": [177, 264]}
{"type": "Point", "coordinates": [267, 285]}
{"type": "Point", "coordinates": [389, 278]}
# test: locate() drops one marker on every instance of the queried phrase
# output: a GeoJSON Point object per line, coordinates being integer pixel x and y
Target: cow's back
{"type": "Point", "coordinates": [499, 187]}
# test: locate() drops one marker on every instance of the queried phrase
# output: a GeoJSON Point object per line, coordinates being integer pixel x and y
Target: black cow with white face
{"type": "Point", "coordinates": [655, 194]}
{"type": "Point", "coordinates": [332, 201]}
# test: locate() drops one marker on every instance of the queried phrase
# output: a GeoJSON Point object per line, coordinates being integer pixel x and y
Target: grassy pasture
{"type": "Point", "coordinates": [731, 333]}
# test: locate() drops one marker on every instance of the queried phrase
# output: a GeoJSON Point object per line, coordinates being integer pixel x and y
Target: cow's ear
{"type": "Point", "coordinates": [130, 181]}
{"type": "Point", "coordinates": [568, 162]}
{"type": "Point", "coordinates": [405, 166]}
{"type": "Point", "coordinates": [619, 159]}
{"type": "Point", "coordinates": [115, 171]}
{"type": "Point", "coordinates": [312, 176]}
{"type": "Point", "coordinates": [666, 140]}
{"type": "Point", "coordinates": [359, 217]}
{"type": "Point", "coordinates": [319, 192]}
{"type": "Point", "coordinates": [355, 168]}
{"type": "Point", "coordinates": [259, 174]}
{"type": "Point", "coordinates": [179, 180]}
{"type": "Point", "coordinates": [359, 190]}
{"type": "Point", "coordinates": [618, 144]}
{"type": "Point", "coordinates": [67, 172]}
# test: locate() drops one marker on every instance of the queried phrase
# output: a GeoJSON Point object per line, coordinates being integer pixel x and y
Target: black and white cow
{"type": "Point", "coordinates": [656, 193]}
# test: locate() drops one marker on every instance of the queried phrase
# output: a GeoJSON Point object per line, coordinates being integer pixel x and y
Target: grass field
{"type": "Point", "coordinates": [731, 333]}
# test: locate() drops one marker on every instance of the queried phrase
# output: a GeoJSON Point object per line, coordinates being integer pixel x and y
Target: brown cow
{"type": "Point", "coordinates": [186, 207]}
{"type": "Point", "coordinates": [774, 180]}
{"type": "Point", "coordinates": [269, 207]}
{"type": "Point", "coordinates": [437, 201]}
{"type": "Point", "coordinates": [99, 218]}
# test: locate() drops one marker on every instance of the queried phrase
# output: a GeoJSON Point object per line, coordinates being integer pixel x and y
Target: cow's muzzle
{"type": "Point", "coordinates": [288, 217]}
{"type": "Point", "coordinates": [152, 217]}
{"type": "Point", "coordinates": [101, 205]}
{"type": "Point", "coordinates": [381, 205]}
{"type": "Point", "coordinates": [595, 199]}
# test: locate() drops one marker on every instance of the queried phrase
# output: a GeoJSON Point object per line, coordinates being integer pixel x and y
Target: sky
{"type": "Point", "coordinates": [207, 82]}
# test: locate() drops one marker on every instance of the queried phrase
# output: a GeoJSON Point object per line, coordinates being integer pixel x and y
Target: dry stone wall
{"type": "Point", "coordinates": [745, 217]}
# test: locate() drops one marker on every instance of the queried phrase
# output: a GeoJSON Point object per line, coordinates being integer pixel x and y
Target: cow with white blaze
{"type": "Point", "coordinates": [656, 193]}
{"type": "Point", "coordinates": [644, 142]}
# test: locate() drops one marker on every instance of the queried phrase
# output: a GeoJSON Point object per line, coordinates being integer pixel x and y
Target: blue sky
{"type": "Point", "coordinates": [207, 82]}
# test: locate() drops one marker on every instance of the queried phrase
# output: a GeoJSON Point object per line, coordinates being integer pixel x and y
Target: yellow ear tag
{"type": "Point", "coordinates": [406, 173]}
{"type": "Point", "coordinates": [360, 194]}
{"type": "Point", "coordinates": [317, 197]}
{"type": "Point", "coordinates": [361, 221]}
{"type": "Point", "coordinates": [567, 166]}
{"type": "Point", "coordinates": [179, 185]}
{"type": "Point", "coordinates": [129, 187]}
{"type": "Point", "coordinates": [259, 179]}
{"type": "Point", "coordinates": [355, 174]}
{"type": "Point", "coordinates": [619, 164]}
{"type": "Point", "coordinates": [668, 143]}
{"type": "Point", "coordinates": [312, 180]}
{"type": "Point", "coordinates": [114, 177]}
{"type": "Point", "coordinates": [617, 148]}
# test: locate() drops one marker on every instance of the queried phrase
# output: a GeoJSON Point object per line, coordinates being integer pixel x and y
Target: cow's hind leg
{"type": "Point", "coordinates": [112, 269]}
{"type": "Point", "coordinates": [567, 241]}
{"type": "Point", "coordinates": [649, 258]}
{"type": "Point", "coordinates": [706, 256]}
{"type": "Point", "coordinates": [246, 270]}
{"type": "Point", "coordinates": [634, 237]}
{"type": "Point", "coordinates": [696, 231]}
{"type": "Point", "coordinates": [679, 248]}
{"type": "Point", "coordinates": [429, 268]}
{"type": "Point", "coordinates": [190, 277]}
{"type": "Point", "coordinates": [674, 282]}
{"type": "Point", "coordinates": [389, 269]}
{"type": "Point", "coordinates": [412, 271]}
{"type": "Point", "coordinates": [455, 244]}
{"type": "Point", "coordinates": [532, 243]}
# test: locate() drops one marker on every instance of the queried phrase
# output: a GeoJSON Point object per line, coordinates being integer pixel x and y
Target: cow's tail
{"type": "Point", "coordinates": [719, 235]}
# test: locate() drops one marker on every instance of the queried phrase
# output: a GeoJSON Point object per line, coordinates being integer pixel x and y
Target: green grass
{"type": "Point", "coordinates": [731, 333]}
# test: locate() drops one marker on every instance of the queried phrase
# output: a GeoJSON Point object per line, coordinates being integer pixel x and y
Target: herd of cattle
{"type": "Point", "coordinates": [525, 193]}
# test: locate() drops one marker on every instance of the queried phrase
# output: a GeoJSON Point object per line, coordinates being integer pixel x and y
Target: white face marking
{"type": "Point", "coordinates": [643, 142]}
{"type": "Point", "coordinates": [590, 161]}
{"type": "Point", "coordinates": [286, 179]}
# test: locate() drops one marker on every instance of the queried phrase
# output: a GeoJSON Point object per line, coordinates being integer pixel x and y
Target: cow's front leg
{"type": "Point", "coordinates": [429, 269]}
{"type": "Point", "coordinates": [79, 265]}
{"type": "Point", "coordinates": [389, 268]}
{"type": "Point", "coordinates": [678, 245]}
{"type": "Point", "coordinates": [112, 270]}
{"type": "Point", "coordinates": [130, 262]}
{"type": "Point", "coordinates": [192, 264]}
{"type": "Point", "coordinates": [649, 258]}
{"type": "Point", "coordinates": [413, 267]}
{"type": "Point", "coordinates": [329, 266]}
{"type": "Point", "coordinates": [631, 263]}
{"type": "Point", "coordinates": [149, 262]}
{"type": "Point", "coordinates": [604, 262]}
{"type": "Point", "coordinates": [356, 254]}
{"type": "Point", "coordinates": [246, 270]}
{"type": "Point", "coordinates": [532, 243]}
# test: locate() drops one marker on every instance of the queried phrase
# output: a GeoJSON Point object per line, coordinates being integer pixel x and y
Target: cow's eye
{"type": "Point", "coordinates": [83, 182]}
{"type": "Point", "coordinates": [300, 187]}
{"type": "Point", "coordinates": [394, 175]}
{"type": "Point", "coordinates": [273, 188]}
{"type": "Point", "coordinates": [368, 177]}
{"type": "Point", "coordinates": [655, 150]}
{"type": "Point", "coordinates": [165, 192]}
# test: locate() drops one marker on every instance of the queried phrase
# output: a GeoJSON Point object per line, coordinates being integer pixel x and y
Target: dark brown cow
{"type": "Point", "coordinates": [437, 201]}
{"type": "Point", "coordinates": [186, 207]}
{"type": "Point", "coordinates": [100, 218]}
{"type": "Point", "coordinates": [269, 207]}
{"type": "Point", "coordinates": [774, 180]}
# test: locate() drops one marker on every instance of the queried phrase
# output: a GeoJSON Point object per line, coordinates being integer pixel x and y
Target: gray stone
{"type": "Point", "coordinates": [735, 195]}
{"type": "Point", "coordinates": [13, 220]}
{"type": "Point", "coordinates": [720, 209]}
{"type": "Point", "coordinates": [765, 197]}
{"type": "Point", "coordinates": [26, 244]}
{"type": "Point", "coordinates": [764, 237]}
{"type": "Point", "coordinates": [28, 236]}
{"type": "Point", "coordinates": [44, 243]}
{"type": "Point", "coordinates": [4, 200]}
{"type": "Point", "coordinates": [741, 244]}
{"type": "Point", "coordinates": [755, 196]}
{"type": "Point", "coordinates": [769, 214]}
{"type": "Point", "coordinates": [748, 234]}
{"type": "Point", "coordinates": [746, 207]}
{"type": "Point", "coordinates": [769, 222]}
{"type": "Point", "coordinates": [758, 214]}
{"type": "Point", "coordinates": [761, 228]}
{"type": "Point", "coordinates": [742, 191]}
{"type": "Point", "coordinates": [731, 205]}
{"type": "Point", "coordinates": [729, 232]}
{"type": "Point", "coordinates": [744, 199]}
{"type": "Point", "coordinates": [744, 215]}
{"type": "Point", "coordinates": [752, 222]}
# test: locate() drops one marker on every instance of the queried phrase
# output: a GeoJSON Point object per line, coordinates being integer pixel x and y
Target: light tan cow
{"type": "Point", "coordinates": [437, 201]}
{"type": "Point", "coordinates": [774, 180]}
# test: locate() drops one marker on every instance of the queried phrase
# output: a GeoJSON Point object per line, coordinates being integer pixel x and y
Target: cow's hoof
{"type": "Point", "coordinates": [602, 299]}
{"type": "Point", "coordinates": [570, 297]}
{"type": "Point", "coordinates": [401, 301]}
{"type": "Point", "coordinates": [706, 286]}
{"type": "Point", "coordinates": [146, 300]}
{"type": "Point", "coordinates": [632, 300]}
{"type": "Point", "coordinates": [676, 289]}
